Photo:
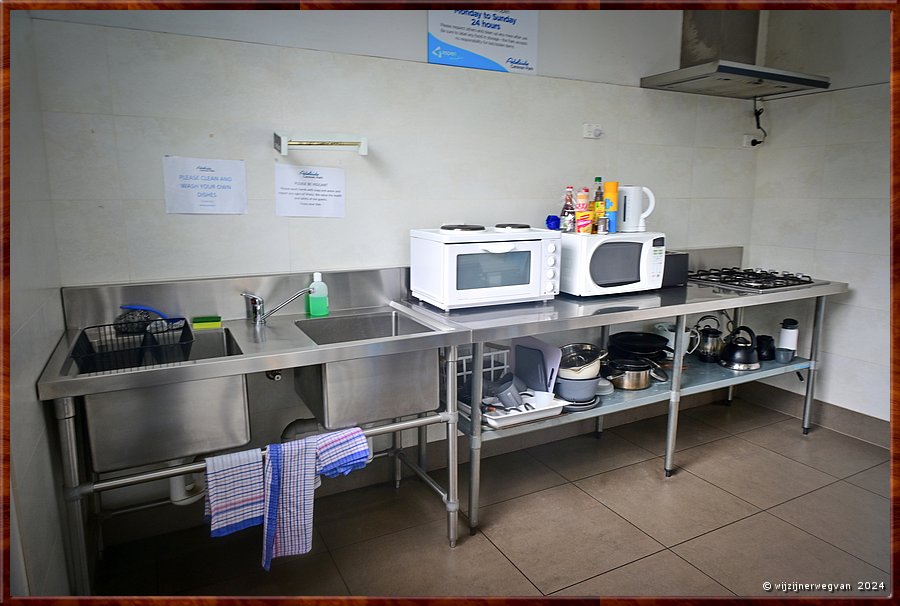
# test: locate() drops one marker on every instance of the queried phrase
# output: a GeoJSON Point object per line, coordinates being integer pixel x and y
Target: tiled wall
{"type": "Point", "coordinates": [445, 144]}
{"type": "Point", "coordinates": [38, 566]}
{"type": "Point", "coordinates": [822, 206]}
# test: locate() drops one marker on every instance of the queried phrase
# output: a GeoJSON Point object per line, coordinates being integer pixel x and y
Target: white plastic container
{"type": "Point", "coordinates": [787, 338]}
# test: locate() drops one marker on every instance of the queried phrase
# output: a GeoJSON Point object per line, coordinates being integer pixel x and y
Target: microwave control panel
{"type": "Point", "coordinates": [657, 260]}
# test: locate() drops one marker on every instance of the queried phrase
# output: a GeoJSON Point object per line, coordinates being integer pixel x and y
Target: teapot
{"type": "Point", "coordinates": [740, 353]}
{"type": "Point", "coordinates": [709, 343]}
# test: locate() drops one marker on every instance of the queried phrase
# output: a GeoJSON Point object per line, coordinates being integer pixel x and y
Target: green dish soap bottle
{"type": "Point", "coordinates": [318, 298]}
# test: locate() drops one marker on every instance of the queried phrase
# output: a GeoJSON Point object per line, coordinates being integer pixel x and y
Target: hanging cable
{"type": "Point", "coordinates": [757, 112]}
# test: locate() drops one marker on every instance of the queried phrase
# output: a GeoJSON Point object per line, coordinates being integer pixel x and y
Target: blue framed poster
{"type": "Point", "coordinates": [503, 41]}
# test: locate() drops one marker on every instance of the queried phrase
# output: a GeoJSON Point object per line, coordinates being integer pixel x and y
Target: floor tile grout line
{"type": "Point", "coordinates": [572, 483]}
{"type": "Point", "coordinates": [823, 539]}
{"type": "Point", "coordinates": [339, 572]}
{"type": "Point", "coordinates": [740, 435]}
{"type": "Point", "coordinates": [777, 454]}
{"type": "Point", "coordinates": [835, 480]}
{"type": "Point", "coordinates": [644, 557]}
{"type": "Point", "coordinates": [506, 557]}
{"type": "Point", "coordinates": [616, 513]}
{"type": "Point", "coordinates": [703, 534]}
{"type": "Point", "coordinates": [757, 507]}
{"type": "Point", "coordinates": [704, 573]}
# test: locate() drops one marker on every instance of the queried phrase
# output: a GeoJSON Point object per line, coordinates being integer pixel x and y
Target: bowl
{"type": "Point", "coordinates": [580, 361]}
{"type": "Point", "coordinates": [577, 390]}
{"type": "Point", "coordinates": [783, 355]}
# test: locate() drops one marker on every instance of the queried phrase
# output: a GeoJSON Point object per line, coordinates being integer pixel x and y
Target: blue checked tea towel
{"type": "Point", "coordinates": [235, 493]}
{"type": "Point", "coordinates": [291, 471]}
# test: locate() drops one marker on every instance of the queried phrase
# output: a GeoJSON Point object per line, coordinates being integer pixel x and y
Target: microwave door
{"type": "Point", "coordinates": [616, 264]}
{"type": "Point", "coordinates": [494, 271]}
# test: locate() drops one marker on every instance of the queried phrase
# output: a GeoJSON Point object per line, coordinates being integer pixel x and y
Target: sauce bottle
{"type": "Point", "coordinates": [567, 215]}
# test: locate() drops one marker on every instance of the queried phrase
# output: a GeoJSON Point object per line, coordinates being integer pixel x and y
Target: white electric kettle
{"type": "Point", "coordinates": [632, 216]}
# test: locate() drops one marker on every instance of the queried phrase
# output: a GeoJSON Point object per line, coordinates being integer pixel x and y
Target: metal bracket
{"type": "Point", "coordinates": [283, 143]}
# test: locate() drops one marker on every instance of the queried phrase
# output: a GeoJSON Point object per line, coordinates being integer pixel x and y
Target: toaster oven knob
{"type": "Point", "coordinates": [551, 273]}
{"type": "Point", "coordinates": [551, 261]}
{"type": "Point", "coordinates": [551, 248]}
{"type": "Point", "coordinates": [549, 287]}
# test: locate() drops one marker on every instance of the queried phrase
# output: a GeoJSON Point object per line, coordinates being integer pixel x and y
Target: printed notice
{"type": "Point", "coordinates": [503, 41]}
{"type": "Point", "coordinates": [202, 186]}
{"type": "Point", "coordinates": [309, 191]}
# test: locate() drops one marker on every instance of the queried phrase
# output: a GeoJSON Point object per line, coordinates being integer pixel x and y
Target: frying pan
{"type": "Point", "coordinates": [641, 343]}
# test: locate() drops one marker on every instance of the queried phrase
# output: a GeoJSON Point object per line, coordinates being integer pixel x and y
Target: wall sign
{"type": "Point", "coordinates": [203, 186]}
{"type": "Point", "coordinates": [503, 41]}
{"type": "Point", "coordinates": [309, 191]}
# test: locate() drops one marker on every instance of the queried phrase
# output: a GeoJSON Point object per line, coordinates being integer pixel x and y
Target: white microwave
{"type": "Point", "coordinates": [455, 269]}
{"type": "Point", "coordinates": [611, 263]}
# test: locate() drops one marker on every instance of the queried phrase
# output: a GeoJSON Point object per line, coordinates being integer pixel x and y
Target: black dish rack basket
{"type": "Point", "coordinates": [120, 346]}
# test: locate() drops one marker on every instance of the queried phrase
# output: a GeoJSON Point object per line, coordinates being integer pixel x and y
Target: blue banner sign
{"type": "Point", "coordinates": [503, 41]}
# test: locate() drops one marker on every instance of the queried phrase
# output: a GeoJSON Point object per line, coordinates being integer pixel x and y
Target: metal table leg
{"type": "Point", "coordinates": [475, 438]}
{"type": "Point", "coordinates": [398, 464]}
{"type": "Point", "coordinates": [675, 397]}
{"type": "Point", "coordinates": [76, 544]}
{"type": "Point", "coordinates": [451, 356]}
{"type": "Point", "coordinates": [422, 446]}
{"type": "Point", "coordinates": [818, 321]}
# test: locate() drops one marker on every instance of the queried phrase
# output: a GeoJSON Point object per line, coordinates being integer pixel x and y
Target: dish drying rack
{"type": "Point", "coordinates": [110, 348]}
{"type": "Point", "coordinates": [494, 364]}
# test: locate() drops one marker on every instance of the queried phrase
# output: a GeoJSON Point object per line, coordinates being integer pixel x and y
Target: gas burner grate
{"type": "Point", "coordinates": [756, 280]}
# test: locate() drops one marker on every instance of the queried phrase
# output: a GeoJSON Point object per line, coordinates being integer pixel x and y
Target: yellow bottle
{"type": "Point", "coordinates": [611, 194]}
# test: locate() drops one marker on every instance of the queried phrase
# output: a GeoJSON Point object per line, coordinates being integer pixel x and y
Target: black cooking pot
{"type": "Point", "coordinates": [640, 344]}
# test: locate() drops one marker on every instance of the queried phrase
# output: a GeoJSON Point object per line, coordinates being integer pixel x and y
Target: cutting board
{"type": "Point", "coordinates": [550, 353]}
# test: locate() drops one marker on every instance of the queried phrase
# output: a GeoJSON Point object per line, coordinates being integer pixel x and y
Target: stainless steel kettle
{"type": "Point", "coordinates": [740, 353]}
{"type": "Point", "coordinates": [709, 344]}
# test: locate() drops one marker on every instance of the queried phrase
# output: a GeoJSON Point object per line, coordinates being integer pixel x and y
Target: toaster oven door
{"type": "Point", "coordinates": [494, 272]}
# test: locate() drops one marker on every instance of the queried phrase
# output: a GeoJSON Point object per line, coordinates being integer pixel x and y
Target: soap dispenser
{"type": "Point", "coordinates": [318, 298]}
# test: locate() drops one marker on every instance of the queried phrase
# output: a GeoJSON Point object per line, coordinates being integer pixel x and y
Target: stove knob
{"type": "Point", "coordinates": [551, 261]}
{"type": "Point", "coordinates": [551, 248]}
{"type": "Point", "coordinates": [551, 274]}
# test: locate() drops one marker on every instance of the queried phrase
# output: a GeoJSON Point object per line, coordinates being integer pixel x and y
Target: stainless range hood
{"type": "Point", "coordinates": [717, 51]}
{"type": "Point", "coordinates": [732, 79]}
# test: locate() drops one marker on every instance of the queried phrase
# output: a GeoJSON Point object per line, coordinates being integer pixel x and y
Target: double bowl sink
{"type": "Point", "coordinates": [350, 369]}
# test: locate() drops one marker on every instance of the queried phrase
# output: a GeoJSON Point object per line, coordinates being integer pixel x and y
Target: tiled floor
{"type": "Point", "coordinates": [752, 501]}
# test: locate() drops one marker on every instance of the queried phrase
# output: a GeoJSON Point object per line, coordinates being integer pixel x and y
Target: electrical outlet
{"type": "Point", "coordinates": [748, 140]}
{"type": "Point", "coordinates": [592, 131]}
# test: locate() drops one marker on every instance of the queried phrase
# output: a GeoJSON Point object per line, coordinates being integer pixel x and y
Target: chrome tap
{"type": "Point", "coordinates": [256, 305]}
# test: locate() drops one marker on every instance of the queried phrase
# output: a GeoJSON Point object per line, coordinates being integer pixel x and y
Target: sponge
{"type": "Point", "coordinates": [204, 322]}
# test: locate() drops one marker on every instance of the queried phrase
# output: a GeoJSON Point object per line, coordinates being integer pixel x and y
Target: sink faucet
{"type": "Point", "coordinates": [256, 305]}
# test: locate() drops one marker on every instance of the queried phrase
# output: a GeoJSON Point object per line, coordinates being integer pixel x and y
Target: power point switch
{"type": "Point", "coordinates": [592, 131]}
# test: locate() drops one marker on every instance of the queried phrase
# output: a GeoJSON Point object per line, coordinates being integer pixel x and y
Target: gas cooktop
{"type": "Point", "coordinates": [752, 280]}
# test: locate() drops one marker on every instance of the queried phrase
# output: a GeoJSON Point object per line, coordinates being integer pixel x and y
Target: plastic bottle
{"type": "Point", "coordinates": [567, 215]}
{"type": "Point", "coordinates": [611, 195]}
{"type": "Point", "coordinates": [583, 199]}
{"type": "Point", "coordinates": [318, 298]}
{"type": "Point", "coordinates": [599, 204]}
